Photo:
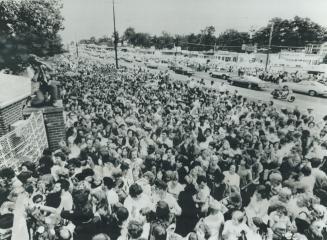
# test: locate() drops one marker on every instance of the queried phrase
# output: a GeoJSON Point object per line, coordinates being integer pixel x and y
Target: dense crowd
{"type": "Point", "coordinates": [148, 157]}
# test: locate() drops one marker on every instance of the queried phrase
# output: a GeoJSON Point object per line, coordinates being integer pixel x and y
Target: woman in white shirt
{"type": "Point", "coordinates": [231, 177]}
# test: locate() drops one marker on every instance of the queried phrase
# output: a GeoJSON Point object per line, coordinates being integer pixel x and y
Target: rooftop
{"type": "Point", "coordinates": [13, 88]}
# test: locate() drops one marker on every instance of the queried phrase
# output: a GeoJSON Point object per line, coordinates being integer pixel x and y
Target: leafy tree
{"type": "Point", "coordinates": [296, 32]}
{"type": "Point", "coordinates": [232, 40]}
{"type": "Point", "coordinates": [129, 35]}
{"type": "Point", "coordinates": [29, 26]}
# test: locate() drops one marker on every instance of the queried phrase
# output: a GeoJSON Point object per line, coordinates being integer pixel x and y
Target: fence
{"type": "Point", "coordinates": [27, 141]}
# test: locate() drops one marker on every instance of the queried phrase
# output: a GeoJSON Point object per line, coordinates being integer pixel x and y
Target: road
{"type": "Point", "coordinates": [302, 101]}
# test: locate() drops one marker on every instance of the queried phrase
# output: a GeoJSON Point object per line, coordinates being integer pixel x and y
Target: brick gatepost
{"type": "Point", "coordinates": [10, 114]}
{"type": "Point", "coordinates": [54, 124]}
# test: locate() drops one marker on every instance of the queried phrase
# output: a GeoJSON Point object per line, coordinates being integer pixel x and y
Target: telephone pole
{"type": "Point", "coordinates": [270, 38]}
{"type": "Point", "coordinates": [115, 33]}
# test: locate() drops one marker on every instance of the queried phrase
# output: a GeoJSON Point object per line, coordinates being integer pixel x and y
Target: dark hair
{"type": "Point", "coordinates": [7, 173]}
{"type": "Point", "coordinates": [124, 166]}
{"type": "Point", "coordinates": [122, 214]}
{"type": "Point", "coordinates": [263, 191]}
{"type": "Point", "coordinates": [64, 184]}
{"type": "Point", "coordinates": [201, 179]}
{"type": "Point", "coordinates": [162, 210]}
{"type": "Point", "coordinates": [161, 184]}
{"type": "Point", "coordinates": [108, 182]}
{"type": "Point", "coordinates": [80, 197]}
{"type": "Point", "coordinates": [315, 162]}
{"type": "Point", "coordinates": [24, 176]}
{"type": "Point", "coordinates": [135, 190]}
{"type": "Point", "coordinates": [61, 155]}
{"type": "Point", "coordinates": [306, 170]}
{"type": "Point", "coordinates": [88, 172]}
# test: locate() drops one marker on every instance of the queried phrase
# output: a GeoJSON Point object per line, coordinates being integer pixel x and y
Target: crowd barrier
{"type": "Point", "coordinates": [25, 142]}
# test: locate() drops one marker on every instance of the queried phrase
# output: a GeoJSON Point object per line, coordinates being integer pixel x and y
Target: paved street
{"type": "Point", "coordinates": [302, 101]}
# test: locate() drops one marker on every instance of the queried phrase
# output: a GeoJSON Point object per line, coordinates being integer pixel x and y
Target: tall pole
{"type": "Point", "coordinates": [77, 49]}
{"type": "Point", "coordinates": [115, 33]}
{"type": "Point", "coordinates": [270, 38]}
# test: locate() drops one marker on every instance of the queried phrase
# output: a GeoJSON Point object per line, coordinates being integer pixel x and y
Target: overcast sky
{"type": "Point", "coordinates": [86, 18]}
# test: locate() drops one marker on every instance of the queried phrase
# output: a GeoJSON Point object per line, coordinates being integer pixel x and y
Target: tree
{"type": "Point", "coordinates": [129, 35]}
{"type": "Point", "coordinates": [296, 32]}
{"type": "Point", "coordinates": [232, 40]}
{"type": "Point", "coordinates": [29, 27]}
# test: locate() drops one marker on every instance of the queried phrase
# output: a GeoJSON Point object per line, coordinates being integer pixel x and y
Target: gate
{"type": "Point", "coordinates": [27, 141]}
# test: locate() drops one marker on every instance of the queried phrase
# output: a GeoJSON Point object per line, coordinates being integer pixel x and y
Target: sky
{"type": "Point", "coordinates": [87, 18]}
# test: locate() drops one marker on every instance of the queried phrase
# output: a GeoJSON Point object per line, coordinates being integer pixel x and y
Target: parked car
{"type": "Point", "coordinates": [172, 67]}
{"type": "Point", "coordinates": [311, 88]}
{"type": "Point", "coordinates": [184, 71]}
{"type": "Point", "coordinates": [152, 65]}
{"type": "Point", "coordinates": [250, 82]}
{"type": "Point", "coordinates": [220, 73]}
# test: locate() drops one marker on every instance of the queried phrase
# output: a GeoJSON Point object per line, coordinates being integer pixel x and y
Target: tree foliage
{"type": "Point", "coordinates": [296, 32]}
{"type": "Point", "coordinates": [232, 40]}
{"type": "Point", "coordinates": [29, 26]}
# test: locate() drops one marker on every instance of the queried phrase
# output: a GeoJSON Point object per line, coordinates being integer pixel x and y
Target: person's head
{"type": "Point", "coordinates": [135, 229]}
{"type": "Point", "coordinates": [162, 210]}
{"type": "Point", "coordinates": [232, 169]}
{"type": "Point", "coordinates": [121, 214]}
{"type": "Point", "coordinates": [261, 192]}
{"type": "Point", "coordinates": [281, 210]}
{"type": "Point", "coordinates": [164, 134]}
{"type": "Point", "coordinates": [135, 190]}
{"type": "Point", "coordinates": [108, 183]}
{"type": "Point", "coordinates": [284, 194]}
{"type": "Point", "coordinates": [159, 232]}
{"type": "Point", "coordinates": [6, 175]}
{"type": "Point", "coordinates": [161, 187]}
{"type": "Point", "coordinates": [237, 217]}
{"type": "Point", "coordinates": [134, 154]}
{"type": "Point", "coordinates": [130, 133]}
{"type": "Point", "coordinates": [306, 171]}
{"type": "Point", "coordinates": [201, 181]}
{"type": "Point", "coordinates": [61, 185]}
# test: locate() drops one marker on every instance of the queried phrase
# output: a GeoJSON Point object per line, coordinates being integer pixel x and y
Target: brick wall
{"type": "Point", "coordinates": [10, 114]}
{"type": "Point", "coordinates": [54, 124]}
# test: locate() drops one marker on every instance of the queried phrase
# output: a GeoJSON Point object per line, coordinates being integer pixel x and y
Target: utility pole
{"type": "Point", "coordinates": [270, 38]}
{"type": "Point", "coordinates": [115, 33]}
{"type": "Point", "coordinates": [76, 49]}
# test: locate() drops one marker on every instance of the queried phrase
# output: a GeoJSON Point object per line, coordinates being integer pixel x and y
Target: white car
{"type": "Point", "coordinates": [220, 73]}
{"type": "Point", "coordinates": [311, 88]}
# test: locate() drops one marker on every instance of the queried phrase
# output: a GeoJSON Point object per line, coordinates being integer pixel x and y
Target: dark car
{"type": "Point", "coordinates": [184, 71]}
{"type": "Point", "coordinates": [250, 82]}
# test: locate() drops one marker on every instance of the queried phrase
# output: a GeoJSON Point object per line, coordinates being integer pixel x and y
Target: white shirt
{"type": "Point", "coordinates": [232, 179]}
{"type": "Point", "coordinates": [214, 223]}
{"type": "Point", "coordinates": [112, 197]}
{"type": "Point", "coordinates": [171, 201]}
{"type": "Point", "coordinates": [134, 205]}
{"type": "Point", "coordinates": [66, 201]}
{"type": "Point", "coordinates": [232, 231]}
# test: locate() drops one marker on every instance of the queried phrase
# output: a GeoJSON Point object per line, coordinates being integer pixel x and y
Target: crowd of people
{"type": "Point", "coordinates": [149, 157]}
